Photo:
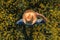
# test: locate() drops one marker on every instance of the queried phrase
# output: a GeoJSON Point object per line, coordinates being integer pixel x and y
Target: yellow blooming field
{"type": "Point", "coordinates": [12, 10]}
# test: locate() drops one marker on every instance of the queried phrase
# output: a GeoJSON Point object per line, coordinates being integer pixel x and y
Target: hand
{"type": "Point", "coordinates": [33, 23]}
{"type": "Point", "coordinates": [47, 20]}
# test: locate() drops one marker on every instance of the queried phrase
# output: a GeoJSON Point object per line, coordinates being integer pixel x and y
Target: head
{"type": "Point", "coordinates": [29, 15]}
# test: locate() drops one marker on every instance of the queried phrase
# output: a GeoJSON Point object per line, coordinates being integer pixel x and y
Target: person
{"type": "Point", "coordinates": [30, 17]}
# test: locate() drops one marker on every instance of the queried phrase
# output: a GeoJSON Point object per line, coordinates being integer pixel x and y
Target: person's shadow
{"type": "Point", "coordinates": [25, 32]}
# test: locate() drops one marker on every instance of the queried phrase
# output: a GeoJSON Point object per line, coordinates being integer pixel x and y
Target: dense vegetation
{"type": "Point", "coordinates": [11, 11]}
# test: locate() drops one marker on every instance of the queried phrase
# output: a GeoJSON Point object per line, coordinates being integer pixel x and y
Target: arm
{"type": "Point", "coordinates": [34, 19]}
{"type": "Point", "coordinates": [42, 16]}
{"type": "Point", "coordinates": [24, 18]}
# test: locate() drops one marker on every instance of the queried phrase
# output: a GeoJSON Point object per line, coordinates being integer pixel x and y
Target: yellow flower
{"type": "Point", "coordinates": [51, 10]}
{"type": "Point", "coordinates": [11, 18]}
{"type": "Point", "coordinates": [1, 28]}
{"type": "Point", "coordinates": [7, 24]}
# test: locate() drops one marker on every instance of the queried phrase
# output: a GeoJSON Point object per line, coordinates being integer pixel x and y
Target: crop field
{"type": "Point", "coordinates": [12, 10]}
